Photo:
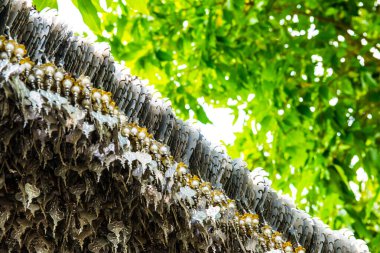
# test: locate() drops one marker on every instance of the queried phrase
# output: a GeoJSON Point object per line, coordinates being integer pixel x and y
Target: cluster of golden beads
{"type": "Point", "coordinates": [181, 172]}
{"type": "Point", "coordinates": [247, 223]}
{"type": "Point", "coordinates": [287, 247]}
{"type": "Point", "coordinates": [142, 137]}
{"type": "Point", "coordinates": [49, 77]}
{"type": "Point", "coordinates": [218, 197]}
{"type": "Point", "coordinates": [11, 50]}
{"type": "Point", "coordinates": [193, 181]}
{"type": "Point", "coordinates": [205, 188]}
{"type": "Point", "coordinates": [55, 79]}
{"type": "Point", "coordinates": [300, 249]}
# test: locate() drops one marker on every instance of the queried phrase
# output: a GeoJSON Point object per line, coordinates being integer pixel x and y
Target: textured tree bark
{"type": "Point", "coordinates": [69, 189]}
{"type": "Point", "coordinates": [45, 37]}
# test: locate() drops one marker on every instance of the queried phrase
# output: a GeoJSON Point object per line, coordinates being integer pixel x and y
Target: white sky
{"type": "Point", "coordinates": [222, 128]}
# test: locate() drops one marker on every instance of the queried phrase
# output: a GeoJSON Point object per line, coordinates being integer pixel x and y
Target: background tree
{"type": "Point", "coordinates": [304, 73]}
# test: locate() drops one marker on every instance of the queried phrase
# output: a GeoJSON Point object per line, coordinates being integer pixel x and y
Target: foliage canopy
{"type": "Point", "coordinates": [304, 73]}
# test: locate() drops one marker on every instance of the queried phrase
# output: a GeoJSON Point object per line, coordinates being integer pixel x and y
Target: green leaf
{"type": "Point", "coordinates": [42, 4]}
{"type": "Point", "coordinates": [267, 123]}
{"type": "Point", "coordinates": [331, 11]}
{"type": "Point", "coordinates": [202, 116]}
{"type": "Point", "coordinates": [367, 80]}
{"type": "Point", "coordinates": [90, 15]}
{"type": "Point", "coordinates": [164, 56]}
{"type": "Point", "coordinates": [369, 207]}
{"type": "Point", "coordinates": [342, 174]}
